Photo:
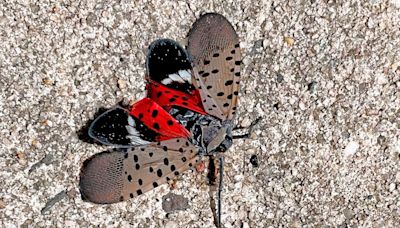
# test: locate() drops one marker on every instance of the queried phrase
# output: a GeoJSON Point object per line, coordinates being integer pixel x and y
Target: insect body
{"type": "Point", "coordinates": [188, 113]}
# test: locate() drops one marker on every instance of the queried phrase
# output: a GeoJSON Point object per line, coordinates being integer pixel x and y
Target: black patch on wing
{"type": "Point", "coordinates": [167, 57]}
{"type": "Point", "coordinates": [110, 128]}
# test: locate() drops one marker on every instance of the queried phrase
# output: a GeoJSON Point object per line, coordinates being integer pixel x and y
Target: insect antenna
{"type": "Point", "coordinates": [220, 188]}
{"type": "Point", "coordinates": [216, 204]}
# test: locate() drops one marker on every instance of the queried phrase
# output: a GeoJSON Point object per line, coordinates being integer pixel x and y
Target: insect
{"type": "Point", "coordinates": [188, 113]}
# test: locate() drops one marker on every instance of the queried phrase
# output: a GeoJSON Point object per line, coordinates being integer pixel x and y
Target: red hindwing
{"type": "Point", "coordinates": [167, 97]}
{"type": "Point", "coordinates": [157, 119]}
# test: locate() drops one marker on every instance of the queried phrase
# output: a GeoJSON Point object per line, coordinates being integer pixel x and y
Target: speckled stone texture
{"type": "Point", "coordinates": [324, 76]}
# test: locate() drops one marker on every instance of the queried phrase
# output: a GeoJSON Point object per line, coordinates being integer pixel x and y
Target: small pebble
{"type": "Point", "coordinates": [302, 106]}
{"type": "Point", "coordinates": [47, 81]}
{"type": "Point", "coordinates": [238, 178]}
{"type": "Point", "coordinates": [121, 84]}
{"type": "Point", "coordinates": [245, 225]}
{"type": "Point", "coordinates": [173, 202]}
{"type": "Point", "coordinates": [396, 3]}
{"type": "Point", "coordinates": [171, 224]}
{"type": "Point", "coordinates": [21, 158]}
{"type": "Point", "coordinates": [350, 149]}
{"type": "Point", "coordinates": [245, 122]}
{"type": "Point", "coordinates": [289, 41]}
{"type": "Point", "coordinates": [392, 187]}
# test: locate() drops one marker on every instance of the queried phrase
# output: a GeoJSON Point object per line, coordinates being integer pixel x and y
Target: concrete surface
{"type": "Point", "coordinates": [323, 75]}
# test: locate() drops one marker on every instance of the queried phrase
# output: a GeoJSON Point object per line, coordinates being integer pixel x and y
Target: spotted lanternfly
{"type": "Point", "coordinates": [188, 113]}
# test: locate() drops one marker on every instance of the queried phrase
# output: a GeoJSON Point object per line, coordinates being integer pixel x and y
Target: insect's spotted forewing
{"type": "Point", "coordinates": [214, 46]}
{"type": "Point", "coordinates": [115, 176]}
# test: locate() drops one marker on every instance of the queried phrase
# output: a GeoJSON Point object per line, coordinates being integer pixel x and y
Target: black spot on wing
{"type": "Point", "coordinates": [228, 82]}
